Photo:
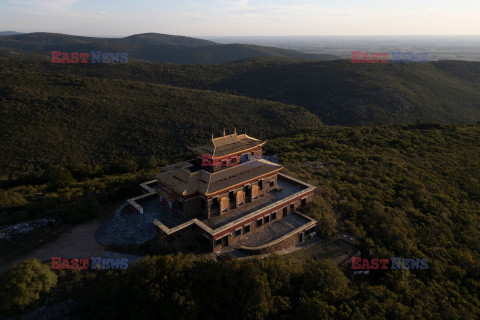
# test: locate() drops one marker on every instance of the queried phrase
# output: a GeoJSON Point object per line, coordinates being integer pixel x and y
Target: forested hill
{"type": "Point", "coordinates": [410, 192]}
{"type": "Point", "coordinates": [45, 41]}
{"type": "Point", "coordinates": [52, 118]}
{"type": "Point", "coordinates": [339, 92]}
{"type": "Point", "coordinates": [151, 46]}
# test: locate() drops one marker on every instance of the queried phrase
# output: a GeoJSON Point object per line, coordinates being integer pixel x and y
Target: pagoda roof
{"type": "Point", "coordinates": [179, 179]}
{"type": "Point", "coordinates": [229, 144]}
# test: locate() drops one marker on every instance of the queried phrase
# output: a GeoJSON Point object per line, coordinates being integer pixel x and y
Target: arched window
{"type": "Point", "coordinates": [254, 192]}
{"type": "Point", "coordinates": [224, 204]}
{"type": "Point", "coordinates": [240, 197]}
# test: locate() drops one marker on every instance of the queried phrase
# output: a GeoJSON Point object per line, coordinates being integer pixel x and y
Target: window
{"type": "Point", "coordinates": [304, 202]}
{"type": "Point", "coordinates": [310, 231]}
{"type": "Point", "coordinates": [260, 184]}
{"type": "Point", "coordinates": [292, 208]}
{"type": "Point", "coordinates": [272, 183]}
{"type": "Point", "coordinates": [285, 212]}
{"type": "Point", "coordinates": [240, 198]}
{"type": "Point", "coordinates": [238, 232]}
{"type": "Point", "coordinates": [259, 222]}
{"type": "Point", "coordinates": [232, 199]}
{"type": "Point", "coordinates": [215, 203]}
{"type": "Point", "coordinates": [224, 204]}
{"type": "Point", "coordinates": [274, 216]}
{"type": "Point", "coordinates": [266, 219]}
{"type": "Point", "coordinates": [225, 241]}
{"type": "Point", "coordinates": [246, 229]}
{"type": "Point", "coordinates": [218, 242]}
{"type": "Point", "coordinates": [203, 203]}
{"type": "Point", "coordinates": [254, 192]}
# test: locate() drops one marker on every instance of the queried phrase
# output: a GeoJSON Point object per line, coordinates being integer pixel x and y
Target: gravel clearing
{"type": "Point", "coordinates": [129, 228]}
{"type": "Point", "coordinates": [7, 233]}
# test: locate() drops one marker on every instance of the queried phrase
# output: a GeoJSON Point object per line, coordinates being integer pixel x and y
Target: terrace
{"type": "Point", "coordinates": [286, 189]}
{"type": "Point", "coordinates": [135, 228]}
{"type": "Point", "coordinates": [274, 231]}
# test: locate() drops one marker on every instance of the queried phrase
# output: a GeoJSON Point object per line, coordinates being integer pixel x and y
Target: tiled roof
{"type": "Point", "coordinates": [184, 182]}
{"type": "Point", "coordinates": [225, 145]}
{"type": "Point", "coordinates": [237, 174]}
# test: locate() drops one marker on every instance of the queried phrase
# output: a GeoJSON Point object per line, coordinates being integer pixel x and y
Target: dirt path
{"type": "Point", "coordinates": [79, 242]}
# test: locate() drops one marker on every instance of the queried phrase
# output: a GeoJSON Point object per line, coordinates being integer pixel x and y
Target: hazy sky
{"type": "Point", "coordinates": [244, 17]}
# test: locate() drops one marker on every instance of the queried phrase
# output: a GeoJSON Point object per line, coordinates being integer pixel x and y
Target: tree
{"type": "Point", "coordinates": [24, 283]}
{"type": "Point", "coordinates": [324, 279]}
{"type": "Point", "coordinates": [314, 308]}
{"type": "Point", "coordinates": [320, 210]}
{"type": "Point", "coordinates": [81, 210]}
{"type": "Point", "coordinates": [58, 177]}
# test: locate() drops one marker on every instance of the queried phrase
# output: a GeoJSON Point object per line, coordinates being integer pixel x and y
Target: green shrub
{"type": "Point", "coordinates": [24, 283]}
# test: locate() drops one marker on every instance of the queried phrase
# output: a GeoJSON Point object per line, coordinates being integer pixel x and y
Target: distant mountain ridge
{"type": "Point", "coordinates": [44, 38]}
{"type": "Point", "coordinates": [8, 33]}
{"type": "Point", "coordinates": [153, 47]}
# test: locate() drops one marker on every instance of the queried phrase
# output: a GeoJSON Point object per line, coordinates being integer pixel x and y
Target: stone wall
{"type": "Point", "coordinates": [296, 237]}
{"type": "Point", "coordinates": [191, 208]}
{"type": "Point", "coordinates": [279, 214]}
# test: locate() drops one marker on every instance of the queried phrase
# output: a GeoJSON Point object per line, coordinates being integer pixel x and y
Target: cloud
{"type": "Point", "coordinates": [63, 8]}
{"type": "Point", "coordinates": [40, 7]}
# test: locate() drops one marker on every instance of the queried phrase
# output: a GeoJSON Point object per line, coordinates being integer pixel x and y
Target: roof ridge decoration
{"type": "Point", "coordinates": [227, 145]}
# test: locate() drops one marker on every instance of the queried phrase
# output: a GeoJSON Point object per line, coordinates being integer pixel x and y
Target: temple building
{"type": "Point", "coordinates": [229, 193]}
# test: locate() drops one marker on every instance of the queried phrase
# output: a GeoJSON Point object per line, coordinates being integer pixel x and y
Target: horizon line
{"type": "Point", "coordinates": [252, 36]}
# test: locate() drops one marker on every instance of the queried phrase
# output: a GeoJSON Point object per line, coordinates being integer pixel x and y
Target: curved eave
{"type": "Point", "coordinates": [241, 151]}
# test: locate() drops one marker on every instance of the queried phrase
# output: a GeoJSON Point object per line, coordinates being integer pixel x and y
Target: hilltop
{"type": "Point", "coordinates": [56, 118]}
{"type": "Point", "coordinates": [151, 47]}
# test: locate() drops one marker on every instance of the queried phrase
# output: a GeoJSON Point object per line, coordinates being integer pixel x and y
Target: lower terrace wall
{"type": "Point", "coordinates": [280, 213]}
{"type": "Point", "coordinates": [134, 202]}
{"type": "Point", "coordinates": [289, 240]}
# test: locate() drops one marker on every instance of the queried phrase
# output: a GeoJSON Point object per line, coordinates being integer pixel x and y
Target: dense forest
{"type": "Point", "coordinates": [53, 118]}
{"type": "Point", "coordinates": [338, 92]}
{"type": "Point", "coordinates": [403, 191]}
{"type": "Point", "coordinates": [99, 114]}
{"type": "Point", "coordinates": [75, 138]}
